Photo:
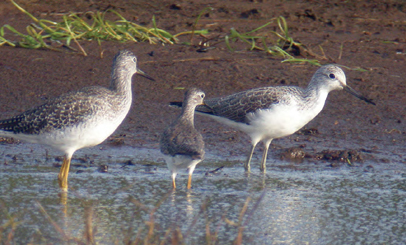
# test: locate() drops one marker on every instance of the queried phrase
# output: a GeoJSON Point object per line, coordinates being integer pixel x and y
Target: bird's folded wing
{"type": "Point", "coordinates": [235, 107]}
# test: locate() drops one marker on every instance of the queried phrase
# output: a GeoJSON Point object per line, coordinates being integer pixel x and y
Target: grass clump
{"type": "Point", "coordinates": [283, 47]}
{"type": "Point", "coordinates": [95, 26]}
{"type": "Point", "coordinates": [55, 35]}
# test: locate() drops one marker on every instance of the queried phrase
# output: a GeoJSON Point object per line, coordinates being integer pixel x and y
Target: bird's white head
{"type": "Point", "coordinates": [329, 77]}
{"type": "Point", "coordinates": [332, 77]}
{"type": "Point", "coordinates": [194, 96]}
{"type": "Point", "coordinates": [125, 62]}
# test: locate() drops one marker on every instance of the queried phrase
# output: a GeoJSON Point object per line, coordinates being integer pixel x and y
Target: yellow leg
{"type": "Point", "coordinates": [189, 181]}
{"type": "Point", "coordinates": [63, 174]}
{"type": "Point", "coordinates": [173, 181]}
{"type": "Point", "coordinates": [63, 197]}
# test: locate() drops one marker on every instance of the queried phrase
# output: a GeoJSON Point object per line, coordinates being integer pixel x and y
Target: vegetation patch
{"type": "Point", "coordinates": [97, 26]}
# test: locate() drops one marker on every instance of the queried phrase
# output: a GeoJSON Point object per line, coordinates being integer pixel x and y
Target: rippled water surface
{"type": "Point", "coordinates": [301, 204]}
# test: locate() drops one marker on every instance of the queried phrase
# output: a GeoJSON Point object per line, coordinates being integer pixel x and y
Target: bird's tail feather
{"type": "Point", "coordinates": [176, 104]}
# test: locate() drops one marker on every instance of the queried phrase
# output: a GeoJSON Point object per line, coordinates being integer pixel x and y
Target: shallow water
{"type": "Point", "coordinates": [310, 205]}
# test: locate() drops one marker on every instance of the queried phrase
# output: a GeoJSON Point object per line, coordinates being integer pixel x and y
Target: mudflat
{"type": "Point", "coordinates": [354, 34]}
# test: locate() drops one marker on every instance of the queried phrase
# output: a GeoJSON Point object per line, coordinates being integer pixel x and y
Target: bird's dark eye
{"type": "Point", "coordinates": [202, 96]}
{"type": "Point", "coordinates": [135, 60]}
{"type": "Point", "coordinates": [332, 76]}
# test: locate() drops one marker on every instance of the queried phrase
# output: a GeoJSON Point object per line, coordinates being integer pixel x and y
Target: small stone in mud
{"type": "Point", "coordinates": [103, 169]}
{"type": "Point", "coordinates": [340, 155]}
{"type": "Point", "coordinates": [335, 164]}
{"type": "Point", "coordinates": [116, 140]}
{"type": "Point", "coordinates": [309, 131]}
{"type": "Point", "coordinates": [215, 171]}
{"type": "Point", "coordinates": [128, 163]}
{"type": "Point", "coordinates": [247, 14]}
{"type": "Point", "coordinates": [369, 168]}
{"type": "Point", "coordinates": [384, 160]}
{"type": "Point", "coordinates": [294, 154]}
{"type": "Point", "coordinates": [175, 6]}
{"type": "Point", "coordinates": [376, 120]}
{"type": "Point", "coordinates": [81, 159]}
{"type": "Point", "coordinates": [59, 158]}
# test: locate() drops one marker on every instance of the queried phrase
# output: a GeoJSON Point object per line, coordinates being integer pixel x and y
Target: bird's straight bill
{"type": "Point", "coordinates": [358, 95]}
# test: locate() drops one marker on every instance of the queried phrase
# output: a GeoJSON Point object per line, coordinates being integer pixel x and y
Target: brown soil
{"type": "Point", "coordinates": [366, 34]}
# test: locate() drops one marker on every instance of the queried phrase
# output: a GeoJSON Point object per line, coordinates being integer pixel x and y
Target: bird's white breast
{"type": "Point", "coordinates": [89, 133]}
{"type": "Point", "coordinates": [277, 121]}
{"type": "Point", "coordinates": [177, 162]}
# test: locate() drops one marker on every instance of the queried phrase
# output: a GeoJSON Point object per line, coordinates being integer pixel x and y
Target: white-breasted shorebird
{"type": "Point", "coordinates": [78, 119]}
{"type": "Point", "coordinates": [273, 112]}
{"type": "Point", "coordinates": [181, 143]}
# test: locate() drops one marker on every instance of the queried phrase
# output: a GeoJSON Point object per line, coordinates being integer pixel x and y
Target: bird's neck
{"type": "Point", "coordinates": [314, 96]}
{"type": "Point", "coordinates": [188, 111]}
{"type": "Point", "coordinates": [121, 82]}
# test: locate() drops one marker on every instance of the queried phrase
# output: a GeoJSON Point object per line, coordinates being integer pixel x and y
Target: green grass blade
{"type": "Point", "coordinates": [24, 11]}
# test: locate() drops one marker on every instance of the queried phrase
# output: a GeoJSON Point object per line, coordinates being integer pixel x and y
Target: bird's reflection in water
{"type": "Point", "coordinates": [183, 199]}
{"type": "Point", "coordinates": [63, 200]}
{"type": "Point", "coordinates": [66, 224]}
{"type": "Point", "coordinates": [189, 206]}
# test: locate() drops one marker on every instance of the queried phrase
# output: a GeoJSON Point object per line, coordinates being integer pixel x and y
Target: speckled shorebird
{"type": "Point", "coordinates": [181, 143]}
{"type": "Point", "coordinates": [78, 119]}
{"type": "Point", "coordinates": [274, 112]}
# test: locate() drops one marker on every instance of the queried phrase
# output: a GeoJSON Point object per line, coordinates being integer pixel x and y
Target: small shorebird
{"type": "Point", "coordinates": [181, 143]}
{"type": "Point", "coordinates": [78, 119]}
{"type": "Point", "coordinates": [273, 112]}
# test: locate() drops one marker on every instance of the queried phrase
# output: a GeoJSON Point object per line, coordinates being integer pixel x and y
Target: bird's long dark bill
{"type": "Point", "coordinates": [356, 94]}
{"type": "Point", "coordinates": [141, 73]}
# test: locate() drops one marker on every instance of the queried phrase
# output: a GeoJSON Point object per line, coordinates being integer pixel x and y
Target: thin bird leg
{"type": "Point", "coordinates": [189, 181]}
{"type": "Point", "coordinates": [265, 155]}
{"type": "Point", "coordinates": [173, 180]}
{"type": "Point", "coordinates": [63, 173]}
{"type": "Point", "coordinates": [247, 163]}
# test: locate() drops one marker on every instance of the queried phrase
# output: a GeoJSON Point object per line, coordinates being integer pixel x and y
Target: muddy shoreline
{"type": "Point", "coordinates": [355, 35]}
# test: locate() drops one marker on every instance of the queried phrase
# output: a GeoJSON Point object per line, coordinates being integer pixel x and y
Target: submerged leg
{"type": "Point", "coordinates": [173, 180]}
{"type": "Point", "coordinates": [247, 163]}
{"type": "Point", "coordinates": [264, 155]}
{"type": "Point", "coordinates": [189, 181]}
{"type": "Point", "coordinates": [64, 172]}
{"type": "Point", "coordinates": [63, 198]}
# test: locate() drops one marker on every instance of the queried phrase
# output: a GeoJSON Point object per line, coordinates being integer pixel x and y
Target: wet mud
{"type": "Point", "coordinates": [365, 35]}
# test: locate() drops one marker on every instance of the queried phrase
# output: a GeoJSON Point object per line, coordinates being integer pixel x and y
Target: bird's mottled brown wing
{"type": "Point", "coordinates": [182, 141]}
{"type": "Point", "coordinates": [69, 109]}
{"type": "Point", "coordinates": [236, 106]}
